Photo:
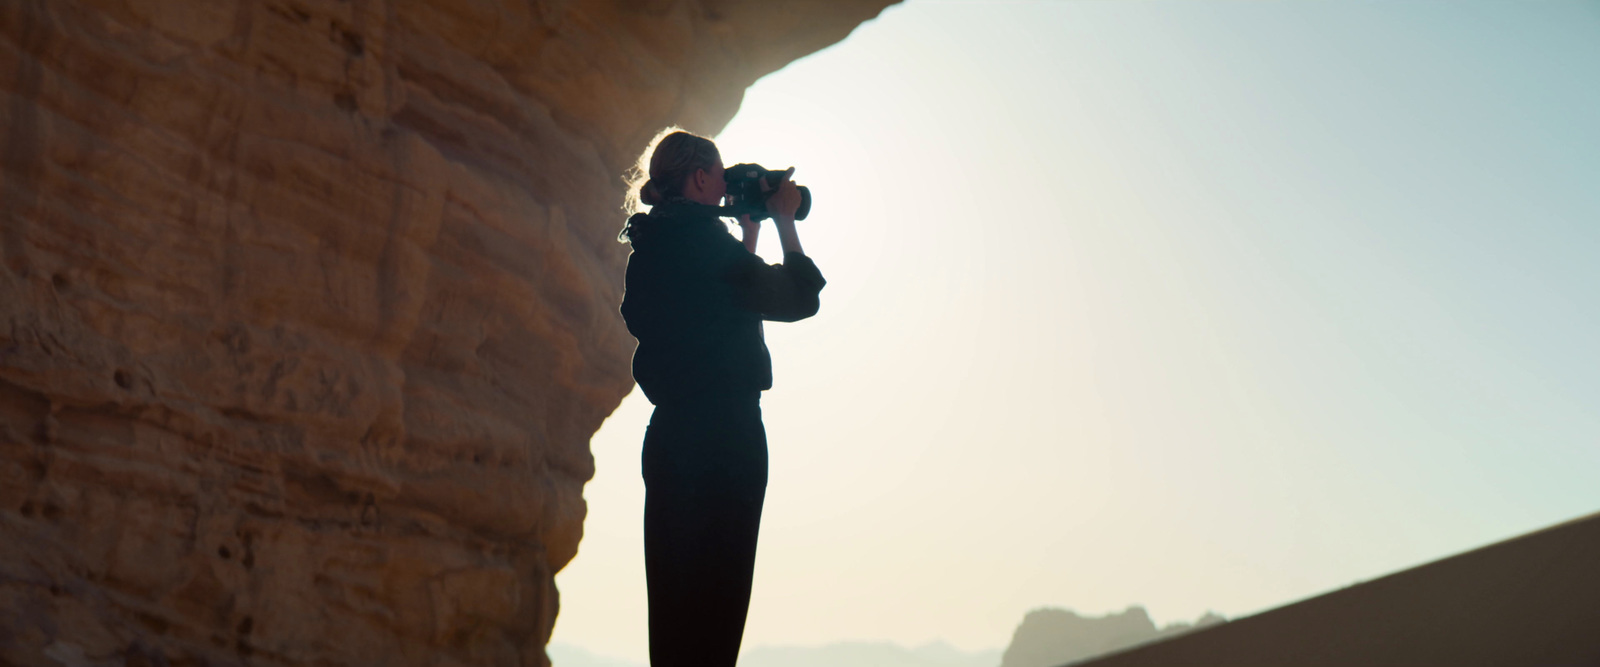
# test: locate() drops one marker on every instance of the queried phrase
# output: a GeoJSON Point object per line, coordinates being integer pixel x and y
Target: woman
{"type": "Point", "coordinates": [695, 299]}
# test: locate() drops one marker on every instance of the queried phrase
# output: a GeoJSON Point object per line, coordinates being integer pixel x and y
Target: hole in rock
{"type": "Point", "coordinates": [123, 379]}
{"type": "Point", "coordinates": [353, 43]}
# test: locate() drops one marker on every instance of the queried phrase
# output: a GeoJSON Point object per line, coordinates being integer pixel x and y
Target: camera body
{"type": "Point", "coordinates": [747, 197]}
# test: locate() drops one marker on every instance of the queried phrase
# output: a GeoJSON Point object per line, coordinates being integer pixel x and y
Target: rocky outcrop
{"type": "Point", "coordinates": [308, 310]}
{"type": "Point", "coordinates": [1050, 637]}
{"type": "Point", "coordinates": [1530, 600]}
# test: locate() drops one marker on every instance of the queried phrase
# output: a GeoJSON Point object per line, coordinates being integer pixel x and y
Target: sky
{"type": "Point", "coordinates": [1196, 305]}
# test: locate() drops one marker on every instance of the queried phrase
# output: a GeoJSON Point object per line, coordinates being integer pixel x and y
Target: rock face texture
{"type": "Point", "coordinates": [308, 310]}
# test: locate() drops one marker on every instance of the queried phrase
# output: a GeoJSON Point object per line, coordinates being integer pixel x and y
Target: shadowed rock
{"type": "Point", "coordinates": [1532, 601]}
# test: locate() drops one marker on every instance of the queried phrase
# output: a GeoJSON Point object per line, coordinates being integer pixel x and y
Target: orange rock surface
{"type": "Point", "coordinates": [308, 310]}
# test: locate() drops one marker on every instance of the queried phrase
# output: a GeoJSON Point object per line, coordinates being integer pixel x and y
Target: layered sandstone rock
{"type": "Point", "coordinates": [308, 310]}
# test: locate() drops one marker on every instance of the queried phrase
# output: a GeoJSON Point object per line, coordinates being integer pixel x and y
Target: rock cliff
{"type": "Point", "coordinates": [308, 310]}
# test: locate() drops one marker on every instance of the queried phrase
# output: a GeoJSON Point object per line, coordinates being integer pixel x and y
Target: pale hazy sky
{"type": "Point", "coordinates": [1194, 305]}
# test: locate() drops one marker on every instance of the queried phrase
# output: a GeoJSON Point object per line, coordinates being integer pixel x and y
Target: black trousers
{"type": "Point", "coordinates": [705, 478]}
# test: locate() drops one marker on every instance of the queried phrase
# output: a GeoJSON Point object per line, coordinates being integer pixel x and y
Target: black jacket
{"type": "Point", "coordinates": [695, 299]}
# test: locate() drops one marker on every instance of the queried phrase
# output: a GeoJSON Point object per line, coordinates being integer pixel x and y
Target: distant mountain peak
{"type": "Point", "coordinates": [1052, 636]}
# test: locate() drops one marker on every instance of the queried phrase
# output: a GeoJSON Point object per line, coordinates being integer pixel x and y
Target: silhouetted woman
{"type": "Point", "coordinates": [695, 300]}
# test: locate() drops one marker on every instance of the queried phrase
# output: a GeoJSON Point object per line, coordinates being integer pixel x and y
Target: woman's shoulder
{"type": "Point", "coordinates": [673, 231]}
{"type": "Point", "coordinates": [686, 247]}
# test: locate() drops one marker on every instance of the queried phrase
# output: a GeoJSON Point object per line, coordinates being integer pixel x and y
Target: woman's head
{"type": "Point", "coordinates": [677, 164]}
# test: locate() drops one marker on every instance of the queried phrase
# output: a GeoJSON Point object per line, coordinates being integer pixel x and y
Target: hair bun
{"type": "Point", "coordinates": [649, 193]}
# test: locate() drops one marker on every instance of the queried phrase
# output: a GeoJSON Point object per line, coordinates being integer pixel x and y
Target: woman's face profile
{"type": "Point", "coordinates": [707, 186]}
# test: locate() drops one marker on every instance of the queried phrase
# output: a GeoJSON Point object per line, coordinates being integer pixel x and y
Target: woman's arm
{"type": "Point", "coordinates": [785, 292]}
{"type": "Point", "coordinates": [787, 234]}
{"type": "Point", "coordinates": [783, 204]}
{"type": "Point", "coordinates": [778, 292]}
{"type": "Point", "coordinates": [751, 231]}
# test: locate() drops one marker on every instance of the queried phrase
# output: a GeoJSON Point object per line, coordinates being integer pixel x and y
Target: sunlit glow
{"type": "Point", "coordinates": [1189, 305]}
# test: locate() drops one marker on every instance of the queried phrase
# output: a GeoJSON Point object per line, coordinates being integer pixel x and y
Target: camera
{"type": "Point", "coordinates": [747, 197]}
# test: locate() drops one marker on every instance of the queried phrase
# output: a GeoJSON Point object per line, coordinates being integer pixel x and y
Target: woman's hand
{"type": "Point", "coordinates": [782, 205]}
{"type": "Point", "coordinates": [786, 201]}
